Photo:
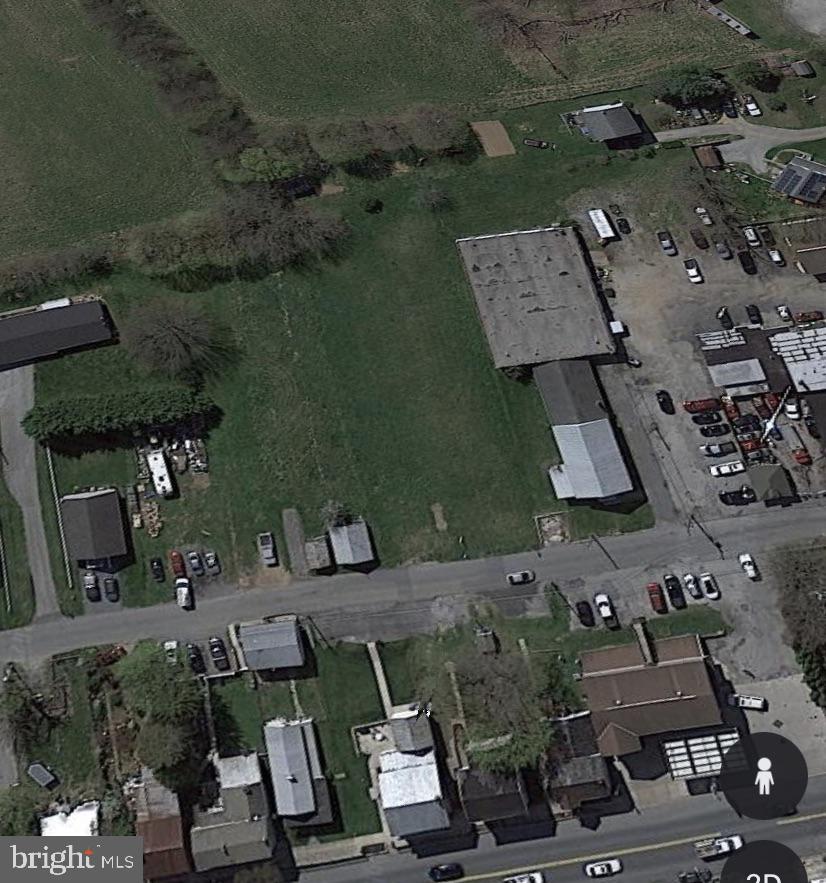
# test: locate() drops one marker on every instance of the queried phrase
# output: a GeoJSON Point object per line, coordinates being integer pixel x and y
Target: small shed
{"type": "Point", "coordinates": [317, 553]}
{"type": "Point", "coordinates": [708, 156]}
{"type": "Point", "coordinates": [351, 543]}
{"type": "Point", "coordinates": [802, 68]}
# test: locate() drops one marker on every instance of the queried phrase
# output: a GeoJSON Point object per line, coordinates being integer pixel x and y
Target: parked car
{"type": "Point", "coordinates": [614, 208]}
{"type": "Point", "coordinates": [674, 590]}
{"type": "Point", "coordinates": [754, 314]}
{"type": "Point", "coordinates": [521, 577]}
{"type": "Point", "coordinates": [715, 431]}
{"type": "Point", "coordinates": [733, 467]}
{"type": "Point", "coordinates": [667, 243]}
{"type": "Point", "coordinates": [766, 235]}
{"type": "Point", "coordinates": [703, 215]}
{"type": "Point", "coordinates": [776, 257]}
{"type": "Point", "coordinates": [708, 583]}
{"type": "Point", "coordinates": [90, 586]}
{"type": "Point", "coordinates": [695, 406]}
{"type": "Point", "coordinates": [771, 401]}
{"type": "Point", "coordinates": [170, 649]}
{"type": "Point", "coordinates": [605, 610]}
{"type": "Point", "coordinates": [741, 497]}
{"type": "Point", "coordinates": [808, 316]}
{"type": "Point", "coordinates": [183, 593]}
{"type": "Point", "coordinates": [749, 446]}
{"type": "Point", "coordinates": [746, 262]}
{"type": "Point", "coordinates": [707, 418]}
{"type": "Point", "coordinates": [665, 401]}
{"type": "Point", "coordinates": [656, 598]}
{"type": "Point", "coordinates": [218, 652]}
{"type": "Point", "coordinates": [176, 563]}
{"type": "Point", "coordinates": [156, 569]}
{"type": "Point", "coordinates": [536, 142]}
{"type": "Point", "coordinates": [623, 226]}
{"type": "Point", "coordinates": [731, 408]}
{"type": "Point", "coordinates": [584, 613]}
{"type": "Point", "coordinates": [751, 107]}
{"type": "Point", "coordinates": [529, 877]}
{"type": "Point", "coordinates": [763, 410]}
{"type": "Point", "coordinates": [749, 567]}
{"type": "Point", "coordinates": [266, 549]}
{"type": "Point", "coordinates": [692, 586]}
{"type": "Point", "coordinates": [784, 312]}
{"type": "Point", "coordinates": [723, 250]}
{"type": "Point", "coordinates": [196, 563]}
{"type": "Point", "coordinates": [741, 700]}
{"type": "Point", "coordinates": [692, 269]}
{"type": "Point", "coordinates": [195, 659]}
{"type": "Point", "coordinates": [751, 237]}
{"type": "Point", "coordinates": [605, 868]}
{"type": "Point", "coordinates": [747, 423]}
{"type": "Point", "coordinates": [450, 871]}
{"type": "Point", "coordinates": [211, 562]}
{"type": "Point", "coordinates": [791, 408]}
{"type": "Point", "coordinates": [724, 318]}
{"type": "Point", "coordinates": [698, 237]}
{"type": "Point", "coordinates": [111, 589]}
{"type": "Point", "coordinates": [729, 109]}
{"type": "Point", "coordinates": [720, 449]}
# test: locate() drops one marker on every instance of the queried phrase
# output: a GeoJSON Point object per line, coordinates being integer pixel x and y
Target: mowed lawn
{"type": "Point", "coordinates": [290, 59]}
{"type": "Point", "coordinates": [16, 597]}
{"type": "Point", "coordinates": [86, 149]}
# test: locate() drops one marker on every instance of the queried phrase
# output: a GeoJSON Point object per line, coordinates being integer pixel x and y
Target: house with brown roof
{"type": "Point", "coordinates": [158, 821]}
{"type": "Point", "coordinates": [646, 688]}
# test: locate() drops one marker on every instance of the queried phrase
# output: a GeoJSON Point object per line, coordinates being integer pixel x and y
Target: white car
{"type": "Point", "coordinates": [170, 648]}
{"type": "Point", "coordinates": [530, 877]}
{"type": "Point", "coordinates": [776, 257]}
{"type": "Point", "coordinates": [784, 312]}
{"type": "Point", "coordinates": [703, 215]}
{"type": "Point", "coordinates": [605, 608]}
{"type": "Point", "coordinates": [720, 470]}
{"type": "Point", "coordinates": [692, 269]}
{"type": "Point", "coordinates": [183, 593]}
{"type": "Point", "coordinates": [791, 408]}
{"type": "Point", "coordinates": [521, 577]}
{"type": "Point", "coordinates": [709, 586]}
{"type": "Point", "coordinates": [751, 107]}
{"type": "Point", "coordinates": [692, 586]}
{"type": "Point", "coordinates": [606, 868]}
{"type": "Point", "coordinates": [748, 565]}
{"type": "Point", "coordinates": [755, 703]}
{"type": "Point", "coordinates": [751, 236]}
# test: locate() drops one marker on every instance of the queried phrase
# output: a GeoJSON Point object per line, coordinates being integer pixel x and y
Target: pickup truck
{"type": "Point", "coordinates": [717, 847]}
{"type": "Point", "coordinates": [266, 549]}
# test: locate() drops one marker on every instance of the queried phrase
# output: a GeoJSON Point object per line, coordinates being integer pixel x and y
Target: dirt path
{"type": "Point", "coordinates": [808, 14]}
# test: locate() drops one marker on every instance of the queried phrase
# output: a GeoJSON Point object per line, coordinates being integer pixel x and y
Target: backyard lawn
{"type": "Point", "coordinates": [240, 709]}
{"type": "Point", "coordinates": [86, 149]}
{"type": "Point", "coordinates": [17, 602]}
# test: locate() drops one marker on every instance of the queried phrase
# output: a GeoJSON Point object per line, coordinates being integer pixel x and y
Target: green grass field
{"type": "Point", "coordinates": [86, 149]}
{"type": "Point", "coordinates": [313, 58]}
{"type": "Point", "coordinates": [16, 608]}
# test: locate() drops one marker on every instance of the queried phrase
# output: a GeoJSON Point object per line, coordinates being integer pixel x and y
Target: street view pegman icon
{"type": "Point", "coordinates": [764, 779]}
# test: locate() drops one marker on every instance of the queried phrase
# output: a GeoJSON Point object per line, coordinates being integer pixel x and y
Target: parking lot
{"type": "Point", "coordinates": [664, 312]}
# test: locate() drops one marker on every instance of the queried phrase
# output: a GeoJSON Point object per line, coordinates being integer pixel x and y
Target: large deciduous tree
{"type": "Point", "coordinates": [692, 84]}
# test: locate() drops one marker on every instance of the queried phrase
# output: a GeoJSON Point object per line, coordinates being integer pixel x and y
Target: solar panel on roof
{"type": "Point", "coordinates": [788, 181]}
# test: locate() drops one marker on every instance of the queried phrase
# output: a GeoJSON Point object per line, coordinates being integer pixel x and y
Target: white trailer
{"type": "Point", "coordinates": [159, 470]}
{"type": "Point", "coordinates": [602, 224]}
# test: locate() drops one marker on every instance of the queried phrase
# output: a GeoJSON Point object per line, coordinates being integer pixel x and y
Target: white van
{"type": "Point", "coordinates": [183, 593]}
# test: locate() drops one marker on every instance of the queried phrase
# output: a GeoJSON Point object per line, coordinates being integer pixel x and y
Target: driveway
{"type": "Point", "coordinates": [20, 472]}
{"type": "Point", "coordinates": [755, 141]}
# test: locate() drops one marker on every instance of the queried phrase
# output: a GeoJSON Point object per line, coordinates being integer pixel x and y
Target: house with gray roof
{"type": "Point", "coordinates": [302, 795]}
{"type": "Point", "coordinates": [410, 791]}
{"type": "Point", "coordinates": [351, 543]}
{"type": "Point", "coordinates": [237, 828]}
{"type": "Point", "coordinates": [274, 643]}
{"type": "Point", "coordinates": [802, 179]}
{"type": "Point", "coordinates": [410, 727]}
{"type": "Point", "coordinates": [93, 524]}
{"type": "Point", "coordinates": [608, 122]}
{"type": "Point", "coordinates": [592, 464]}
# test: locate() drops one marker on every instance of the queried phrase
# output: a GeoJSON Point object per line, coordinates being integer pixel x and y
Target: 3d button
{"type": "Point", "coordinates": [764, 861]}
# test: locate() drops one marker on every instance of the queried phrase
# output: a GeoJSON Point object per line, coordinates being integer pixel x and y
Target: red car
{"type": "Point", "coordinates": [657, 598]}
{"type": "Point", "coordinates": [695, 406]}
{"type": "Point", "coordinates": [731, 408]}
{"type": "Point", "coordinates": [762, 409]}
{"type": "Point", "coordinates": [810, 316]}
{"type": "Point", "coordinates": [176, 562]}
{"type": "Point", "coordinates": [753, 444]}
{"type": "Point", "coordinates": [772, 401]}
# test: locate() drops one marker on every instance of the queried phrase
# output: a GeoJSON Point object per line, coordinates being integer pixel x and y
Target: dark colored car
{"type": "Point", "coordinates": [754, 314]}
{"type": "Point", "coordinates": [812, 426]}
{"type": "Point", "coordinates": [195, 658]}
{"type": "Point", "coordinates": [674, 590]}
{"type": "Point", "coordinates": [449, 871]}
{"type": "Point", "coordinates": [707, 418]}
{"type": "Point", "coordinates": [111, 589]}
{"type": "Point", "coordinates": [218, 652]}
{"type": "Point", "coordinates": [697, 237]}
{"type": "Point", "coordinates": [809, 316]}
{"type": "Point", "coordinates": [729, 109]}
{"type": "Point", "coordinates": [623, 226]}
{"type": "Point", "coordinates": [156, 569]}
{"type": "Point", "coordinates": [665, 401]}
{"type": "Point", "coordinates": [667, 243]}
{"type": "Point", "coordinates": [748, 422]}
{"type": "Point", "coordinates": [742, 497]}
{"type": "Point", "coordinates": [584, 613]}
{"type": "Point", "coordinates": [766, 235]}
{"type": "Point", "coordinates": [715, 431]}
{"type": "Point", "coordinates": [724, 318]}
{"type": "Point", "coordinates": [91, 586]}
{"type": "Point", "coordinates": [656, 597]}
{"type": "Point", "coordinates": [775, 433]}
{"type": "Point", "coordinates": [746, 261]}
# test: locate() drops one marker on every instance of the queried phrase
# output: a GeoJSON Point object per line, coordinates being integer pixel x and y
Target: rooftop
{"type": "Point", "coordinates": [272, 644]}
{"type": "Point", "coordinates": [411, 729]}
{"type": "Point", "coordinates": [93, 523]}
{"type": "Point", "coordinates": [607, 122]}
{"type": "Point", "coordinates": [405, 779]}
{"type": "Point", "coordinates": [294, 764]}
{"type": "Point", "coordinates": [158, 821]}
{"type": "Point", "coordinates": [50, 329]}
{"type": "Point", "coordinates": [490, 796]}
{"type": "Point", "coordinates": [803, 351]}
{"type": "Point", "coordinates": [82, 821]}
{"type": "Point", "coordinates": [536, 296]}
{"type": "Point", "coordinates": [802, 179]}
{"type": "Point", "coordinates": [351, 543]}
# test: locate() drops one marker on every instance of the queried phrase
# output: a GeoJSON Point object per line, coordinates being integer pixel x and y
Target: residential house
{"type": "Point", "coordinates": [93, 524]}
{"type": "Point", "coordinates": [803, 180]}
{"type": "Point", "coordinates": [579, 773]}
{"type": "Point", "coordinates": [273, 643]}
{"type": "Point", "coordinates": [491, 797]}
{"type": "Point", "coordinates": [411, 795]}
{"type": "Point", "coordinates": [611, 124]}
{"type": "Point", "coordinates": [158, 822]}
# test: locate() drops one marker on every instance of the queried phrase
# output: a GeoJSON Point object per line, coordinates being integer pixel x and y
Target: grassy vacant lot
{"type": "Point", "coordinates": [316, 58]}
{"type": "Point", "coordinates": [241, 707]}
{"type": "Point", "coordinates": [18, 608]}
{"type": "Point", "coordinates": [85, 148]}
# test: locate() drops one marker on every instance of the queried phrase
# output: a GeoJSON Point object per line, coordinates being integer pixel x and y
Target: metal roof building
{"type": "Point", "coordinates": [802, 179]}
{"type": "Point", "coordinates": [592, 464]}
{"type": "Point", "coordinates": [93, 523]}
{"type": "Point", "coordinates": [411, 793]}
{"type": "Point", "coordinates": [158, 821]}
{"type": "Point", "coordinates": [608, 122]}
{"type": "Point", "coordinates": [271, 644]}
{"type": "Point", "coordinates": [52, 328]}
{"type": "Point", "coordinates": [351, 543]}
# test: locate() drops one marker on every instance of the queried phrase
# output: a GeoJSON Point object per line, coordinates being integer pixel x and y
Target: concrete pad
{"type": "Point", "coordinates": [494, 138]}
{"type": "Point", "coordinates": [802, 722]}
{"type": "Point", "coordinates": [655, 792]}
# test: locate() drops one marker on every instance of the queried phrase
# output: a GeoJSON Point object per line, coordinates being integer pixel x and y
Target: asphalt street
{"type": "Point", "coordinates": [653, 846]}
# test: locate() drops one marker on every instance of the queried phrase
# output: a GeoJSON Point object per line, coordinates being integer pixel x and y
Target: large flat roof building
{"type": "Point", "coordinates": [50, 329]}
{"type": "Point", "coordinates": [536, 296]}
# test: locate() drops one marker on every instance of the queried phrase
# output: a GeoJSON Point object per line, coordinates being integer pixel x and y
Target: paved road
{"type": "Point", "coordinates": [20, 472]}
{"type": "Point", "coordinates": [755, 143]}
{"type": "Point", "coordinates": [654, 845]}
